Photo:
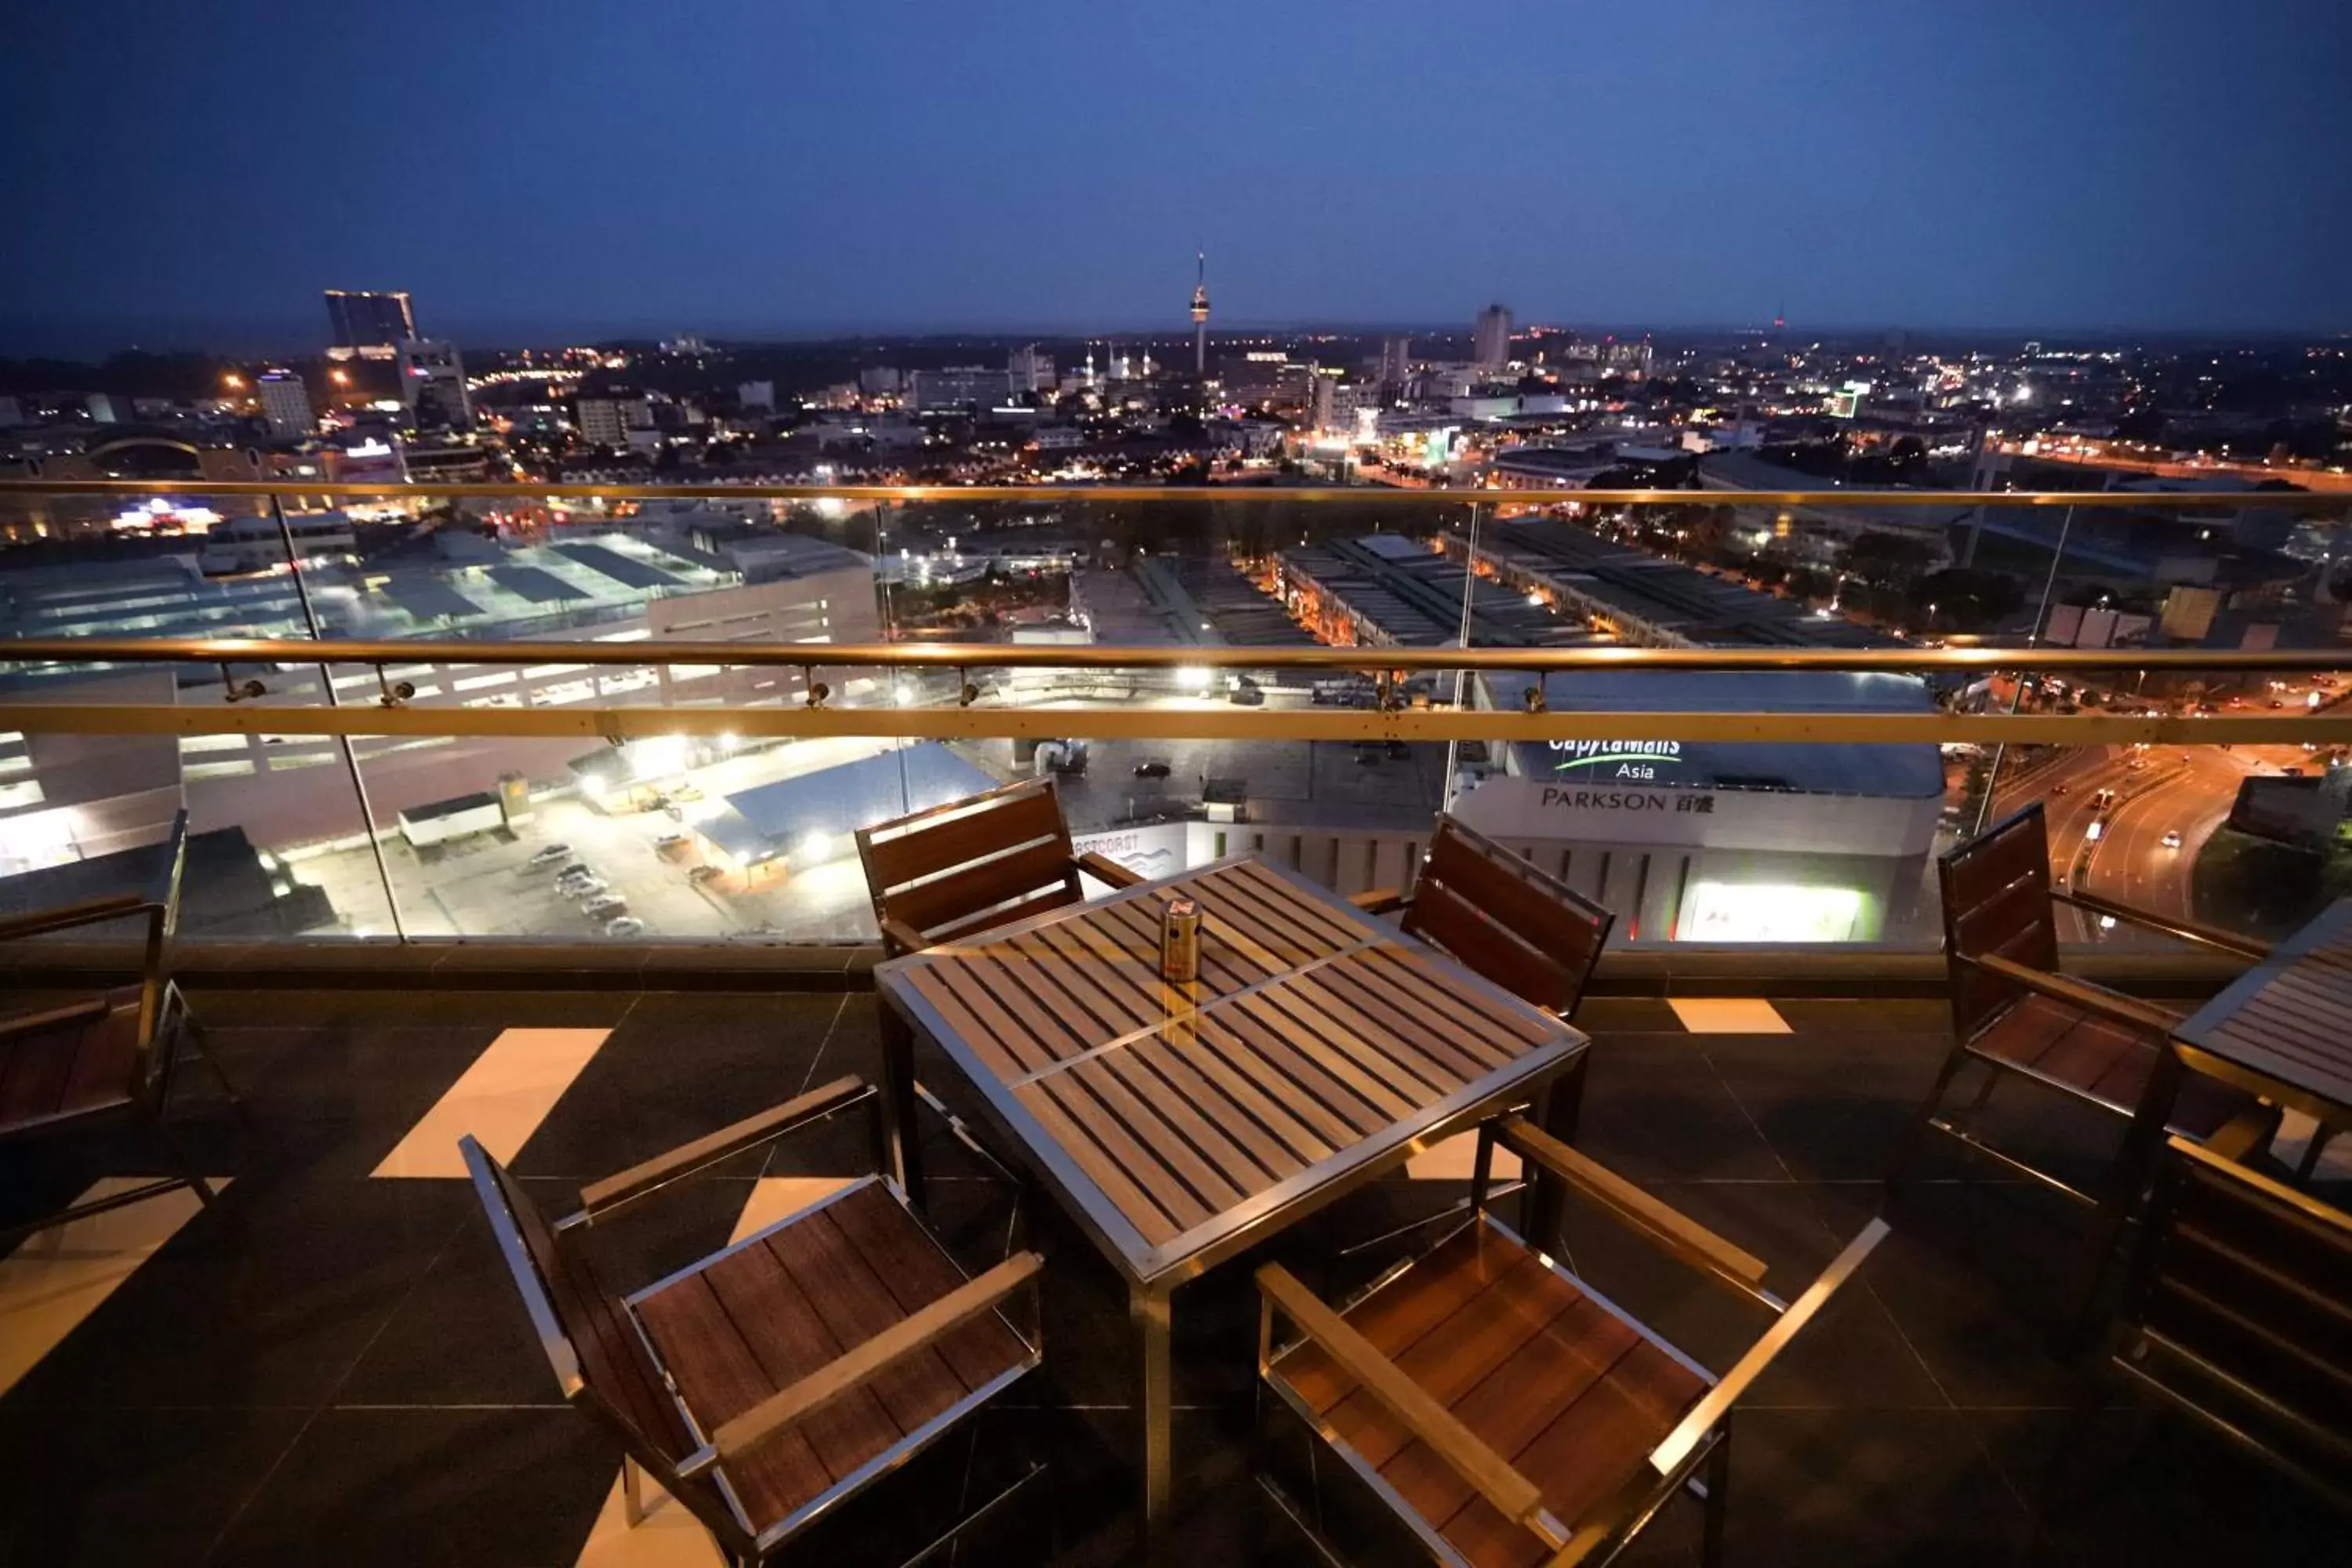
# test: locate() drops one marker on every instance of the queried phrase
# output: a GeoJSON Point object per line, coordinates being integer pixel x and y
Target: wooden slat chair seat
{"type": "Point", "coordinates": [85, 1063]}
{"type": "Point", "coordinates": [763, 1384]}
{"type": "Point", "coordinates": [2239, 1313]}
{"type": "Point", "coordinates": [2096, 1059]}
{"type": "Point", "coordinates": [1511, 1413]}
{"type": "Point", "coordinates": [2013, 1014]}
{"type": "Point", "coordinates": [777, 1309]}
{"type": "Point", "coordinates": [1497, 914]}
{"type": "Point", "coordinates": [958, 870]}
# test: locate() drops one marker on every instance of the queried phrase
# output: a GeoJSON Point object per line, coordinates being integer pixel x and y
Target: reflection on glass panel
{"type": "Point", "coordinates": [263, 824]}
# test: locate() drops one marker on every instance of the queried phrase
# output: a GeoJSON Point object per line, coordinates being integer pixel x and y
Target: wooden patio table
{"type": "Point", "coordinates": [1180, 1125]}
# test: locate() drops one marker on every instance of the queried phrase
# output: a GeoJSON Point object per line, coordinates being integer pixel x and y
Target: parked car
{"type": "Point", "coordinates": [605, 907]}
{"type": "Point", "coordinates": [580, 887]}
{"type": "Point", "coordinates": [1151, 770]}
{"type": "Point", "coordinates": [577, 868]}
{"type": "Point", "coordinates": [669, 841]}
{"type": "Point", "coordinates": [1398, 752]}
{"type": "Point", "coordinates": [625, 925]}
{"type": "Point", "coordinates": [548, 854]}
{"type": "Point", "coordinates": [703, 874]}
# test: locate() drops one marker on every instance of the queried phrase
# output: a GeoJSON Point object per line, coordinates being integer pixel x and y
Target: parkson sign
{"type": "Point", "coordinates": [1633, 760]}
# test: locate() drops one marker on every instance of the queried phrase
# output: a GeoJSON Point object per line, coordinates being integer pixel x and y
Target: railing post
{"type": "Point", "coordinates": [342, 743]}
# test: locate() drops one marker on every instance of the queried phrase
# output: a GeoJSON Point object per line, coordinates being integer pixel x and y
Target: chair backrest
{"type": "Point", "coordinates": [2240, 1310]}
{"type": "Point", "coordinates": [599, 1362]}
{"type": "Point", "coordinates": [1996, 890]}
{"type": "Point", "coordinates": [986, 860]}
{"type": "Point", "coordinates": [1522, 929]}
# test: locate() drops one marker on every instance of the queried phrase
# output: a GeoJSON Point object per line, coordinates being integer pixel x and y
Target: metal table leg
{"type": "Point", "coordinates": [904, 1137]}
{"type": "Point", "coordinates": [1148, 1311]}
{"type": "Point", "coordinates": [2134, 1166]}
{"type": "Point", "coordinates": [1541, 1199]}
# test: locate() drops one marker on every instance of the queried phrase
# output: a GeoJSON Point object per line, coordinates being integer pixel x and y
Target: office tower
{"type": "Point", "coordinates": [760, 395]}
{"type": "Point", "coordinates": [433, 381]}
{"type": "Point", "coordinates": [603, 422]}
{"type": "Point", "coordinates": [1491, 340]}
{"type": "Point", "coordinates": [958, 386]}
{"type": "Point", "coordinates": [1031, 370]}
{"type": "Point", "coordinates": [1396, 361]}
{"type": "Point", "coordinates": [286, 404]}
{"type": "Point", "coordinates": [371, 325]}
{"type": "Point", "coordinates": [1201, 315]}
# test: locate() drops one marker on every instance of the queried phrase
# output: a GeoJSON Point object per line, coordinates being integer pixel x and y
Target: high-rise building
{"type": "Point", "coordinates": [1396, 361]}
{"type": "Point", "coordinates": [607, 421]}
{"type": "Point", "coordinates": [958, 386]}
{"type": "Point", "coordinates": [286, 404]}
{"type": "Point", "coordinates": [1491, 340]}
{"type": "Point", "coordinates": [371, 325]}
{"type": "Point", "coordinates": [760, 395]}
{"type": "Point", "coordinates": [433, 382]}
{"type": "Point", "coordinates": [1031, 370]}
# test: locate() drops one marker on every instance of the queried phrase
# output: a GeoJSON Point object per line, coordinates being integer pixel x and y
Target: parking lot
{"type": "Point", "coordinates": [485, 884]}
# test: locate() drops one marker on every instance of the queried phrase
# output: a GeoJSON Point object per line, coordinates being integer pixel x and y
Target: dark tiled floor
{"type": "Point", "coordinates": [332, 1367]}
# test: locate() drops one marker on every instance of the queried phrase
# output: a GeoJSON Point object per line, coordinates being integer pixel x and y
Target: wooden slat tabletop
{"type": "Point", "coordinates": [1313, 1035]}
{"type": "Point", "coordinates": [2289, 1018]}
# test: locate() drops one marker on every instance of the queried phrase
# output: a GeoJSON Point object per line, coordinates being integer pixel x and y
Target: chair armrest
{"type": "Point", "coordinates": [855, 1367]}
{"type": "Point", "coordinates": [2318, 1211]}
{"type": "Point", "coordinates": [1513, 1495]}
{"type": "Point", "coordinates": [1681, 1235]}
{"type": "Point", "coordinates": [55, 1017]}
{"type": "Point", "coordinates": [89, 911]}
{"type": "Point", "coordinates": [2186, 929]}
{"type": "Point", "coordinates": [1379, 901]}
{"type": "Point", "coordinates": [598, 1198]}
{"type": "Point", "coordinates": [2112, 1006]}
{"type": "Point", "coordinates": [898, 935]}
{"type": "Point", "coordinates": [1709, 1412]}
{"type": "Point", "coordinates": [1103, 869]}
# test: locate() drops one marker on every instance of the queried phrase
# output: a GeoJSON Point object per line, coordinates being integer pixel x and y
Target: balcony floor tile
{"type": "Point", "coordinates": [335, 1365]}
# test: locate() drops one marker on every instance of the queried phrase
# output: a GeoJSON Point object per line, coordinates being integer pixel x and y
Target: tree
{"type": "Point", "coordinates": [1888, 560]}
{"type": "Point", "coordinates": [1966, 599]}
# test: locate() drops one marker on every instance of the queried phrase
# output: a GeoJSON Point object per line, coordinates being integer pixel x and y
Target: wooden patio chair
{"type": "Point", "coordinates": [766, 1383]}
{"type": "Point", "coordinates": [2014, 1014]}
{"type": "Point", "coordinates": [1504, 1410]}
{"type": "Point", "coordinates": [79, 1066]}
{"type": "Point", "coordinates": [954, 872]}
{"type": "Point", "coordinates": [958, 870]}
{"type": "Point", "coordinates": [1500, 914]}
{"type": "Point", "coordinates": [2238, 1313]}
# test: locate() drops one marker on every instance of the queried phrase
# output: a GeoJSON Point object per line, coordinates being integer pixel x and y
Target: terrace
{"type": "Point", "coordinates": [331, 1361]}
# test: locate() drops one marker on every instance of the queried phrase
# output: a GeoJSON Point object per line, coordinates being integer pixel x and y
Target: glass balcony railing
{"type": "Point", "coordinates": [582, 714]}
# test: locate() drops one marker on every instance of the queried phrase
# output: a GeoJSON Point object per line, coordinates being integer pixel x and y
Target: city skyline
{"type": "Point", "coordinates": [779, 176]}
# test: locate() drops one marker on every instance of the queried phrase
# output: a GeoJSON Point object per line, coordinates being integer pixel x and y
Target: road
{"type": "Point", "coordinates": [2185, 789]}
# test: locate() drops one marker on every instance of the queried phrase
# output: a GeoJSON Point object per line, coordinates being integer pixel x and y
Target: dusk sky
{"type": "Point", "coordinates": [195, 174]}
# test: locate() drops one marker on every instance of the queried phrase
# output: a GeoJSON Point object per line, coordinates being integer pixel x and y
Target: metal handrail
{"type": "Point", "coordinates": [2122, 500]}
{"type": "Point", "coordinates": [1974, 659]}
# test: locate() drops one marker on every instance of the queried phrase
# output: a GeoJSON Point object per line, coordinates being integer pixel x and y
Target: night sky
{"type": "Point", "coordinates": [194, 174]}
